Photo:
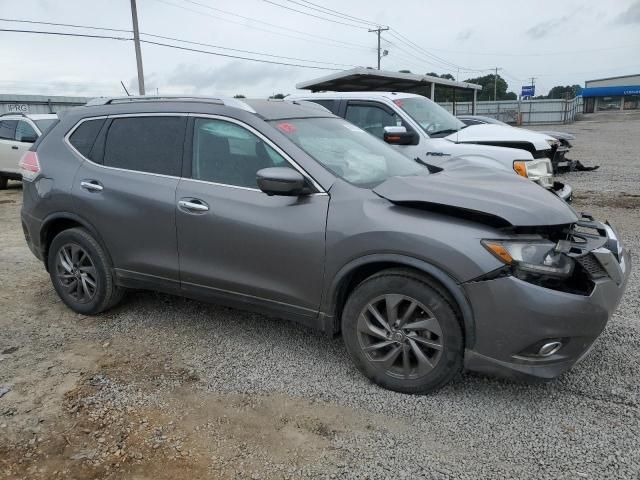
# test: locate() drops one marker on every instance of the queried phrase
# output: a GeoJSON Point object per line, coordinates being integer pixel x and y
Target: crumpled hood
{"type": "Point", "coordinates": [488, 133]}
{"type": "Point", "coordinates": [489, 192]}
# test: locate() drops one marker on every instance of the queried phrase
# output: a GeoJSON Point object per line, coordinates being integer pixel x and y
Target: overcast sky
{"type": "Point", "coordinates": [559, 42]}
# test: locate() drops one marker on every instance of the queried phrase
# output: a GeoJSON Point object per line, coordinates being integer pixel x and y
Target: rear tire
{"type": "Point", "coordinates": [81, 272]}
{"type": "Point", "coordinates": [402, 332]}
{"type": "Point", "coordinates": [4, 182]}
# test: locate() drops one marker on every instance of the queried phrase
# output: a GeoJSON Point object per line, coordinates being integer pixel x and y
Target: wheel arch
{"type": "Point", "coordinates": [354, 272]}
{"type": "Point", "coordinates": [60, 221]}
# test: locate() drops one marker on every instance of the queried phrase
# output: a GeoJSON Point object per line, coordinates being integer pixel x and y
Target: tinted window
{"type": "Point", "coordinates": [331, 105]}
{"type": "Point", "coordinates": [226, 153]}
{"type": "Point", "coordinates": [8, 129]}
{"type": "Point", "coordinates": [45, 123]}
{"type": "Point", "coordinates": [25, 132]}
{"type": "Point", "coordinates": [146, 144]}
{"type": "Point", "coordinates": [372, 119]}
{"type": "Point", "coordinates": [85, 136]}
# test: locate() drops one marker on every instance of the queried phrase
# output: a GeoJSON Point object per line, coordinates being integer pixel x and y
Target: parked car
{"type": "Point", "coordinates": [285, 209]}
{"type": "Point", "coordinates": [422, 129]}
{"type": "Point", "coordinates": [17, 132]}
{"type": "Point", "coordinates": [561, 163]}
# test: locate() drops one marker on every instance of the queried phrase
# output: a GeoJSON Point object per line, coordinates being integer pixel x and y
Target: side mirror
{"type": "Point", "coordinates": [280, 181]}
{"type": "Point", "coordinates": [398, 136]}
{"type": "Point", "coordinates": [26, 139]}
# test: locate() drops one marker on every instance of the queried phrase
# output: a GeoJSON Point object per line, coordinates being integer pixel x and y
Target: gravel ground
{"type": "Point", "coordinates": [163, 387]}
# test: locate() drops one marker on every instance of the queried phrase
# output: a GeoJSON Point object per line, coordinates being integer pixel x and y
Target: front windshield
{"type": "Point", "coordinates": [348, 151]}
{"type": "Point", "coordinates": [433, 119]}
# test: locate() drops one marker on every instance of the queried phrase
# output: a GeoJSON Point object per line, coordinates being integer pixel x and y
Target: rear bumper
{"type": "Point", "coordinates": [31, 228]}
{"type": "Point", "coordinates": [512, 316]}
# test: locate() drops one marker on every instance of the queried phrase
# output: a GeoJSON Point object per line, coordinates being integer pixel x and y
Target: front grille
{"type": "Point", "coordinates": [592, 266]}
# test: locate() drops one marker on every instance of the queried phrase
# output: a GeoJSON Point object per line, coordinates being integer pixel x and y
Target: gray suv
{"type": "Point", "coordinates": [283, 208]}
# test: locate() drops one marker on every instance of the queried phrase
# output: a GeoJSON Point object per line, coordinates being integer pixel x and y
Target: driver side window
{"type": "Point", "coordinates": [229, 154]}
{"type": "Point", "coordinates": [372, 119]}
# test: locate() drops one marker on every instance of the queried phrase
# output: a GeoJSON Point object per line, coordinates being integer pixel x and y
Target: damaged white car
{"type": "Point", "coordinates": [424, 131]}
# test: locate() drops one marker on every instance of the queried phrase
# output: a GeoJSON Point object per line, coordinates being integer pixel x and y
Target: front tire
{"type": "Point", "coordinates": [402, 332]}
{"type": "Point", "coordinates": [4, 182]}
{"type": "Point", "coordinates": [81, 272]}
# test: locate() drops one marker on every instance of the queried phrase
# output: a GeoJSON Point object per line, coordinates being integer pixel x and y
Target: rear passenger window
{"type": "Point", "coordinates": [146, 144]}
{"type": "Point", "coordinates": [85, 136]}
{"type": "Point", "coordinates": [25, 132]}
{"type": "Point", "coordinates": [8, 129]}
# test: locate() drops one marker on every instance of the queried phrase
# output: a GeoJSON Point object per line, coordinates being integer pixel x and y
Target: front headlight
{"type": "Point", "coordinates": [531, 257]}
{"type": "Point", "coordinates": [533, 169]}
{"type": "Point", "coordinates": [553, 142]}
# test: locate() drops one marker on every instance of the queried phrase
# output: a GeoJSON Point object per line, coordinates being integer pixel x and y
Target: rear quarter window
{"type": "Point", "coordinates": [84, 137]}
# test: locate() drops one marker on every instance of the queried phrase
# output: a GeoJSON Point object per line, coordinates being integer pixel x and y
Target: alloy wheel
{"type": "Point", "coordinates": [400, 335]}
{"type": "Point", "coordinates": [76, 272]}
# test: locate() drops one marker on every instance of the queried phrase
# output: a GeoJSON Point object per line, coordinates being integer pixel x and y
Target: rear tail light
{"type": "Point", "coordinates": [29, 166]}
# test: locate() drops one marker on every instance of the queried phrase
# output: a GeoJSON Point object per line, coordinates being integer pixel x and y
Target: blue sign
{"type": "Point", "coordinates": [528, 91]}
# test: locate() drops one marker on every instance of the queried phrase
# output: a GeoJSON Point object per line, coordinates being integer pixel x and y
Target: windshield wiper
{"type": "Point", "coordinates": [446, 131]}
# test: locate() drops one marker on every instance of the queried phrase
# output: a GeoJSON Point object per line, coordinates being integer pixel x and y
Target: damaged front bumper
{"type": "Point", "coordinates": [517, 322]}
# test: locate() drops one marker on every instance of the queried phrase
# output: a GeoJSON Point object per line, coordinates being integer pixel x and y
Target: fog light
{"type": "Point", "coordinates": [549, 349]}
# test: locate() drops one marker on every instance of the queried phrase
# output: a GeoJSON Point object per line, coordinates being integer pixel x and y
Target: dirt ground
{"type": "Point", "coordinates": [94, 397]}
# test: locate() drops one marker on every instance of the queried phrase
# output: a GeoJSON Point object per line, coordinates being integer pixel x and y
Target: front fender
{"type": "Point", "coordinates": [331, 295]}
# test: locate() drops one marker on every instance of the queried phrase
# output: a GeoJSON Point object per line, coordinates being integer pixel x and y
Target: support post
{"type": "Point", "coordinates": [136, 41]}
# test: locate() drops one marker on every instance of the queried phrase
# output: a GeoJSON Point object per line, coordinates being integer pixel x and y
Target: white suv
{"type": "Point", "coordinates": [17, 133]}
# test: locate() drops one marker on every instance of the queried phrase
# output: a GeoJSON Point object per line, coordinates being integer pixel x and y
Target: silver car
{"type": "Point", "coordinates": [18, 132]}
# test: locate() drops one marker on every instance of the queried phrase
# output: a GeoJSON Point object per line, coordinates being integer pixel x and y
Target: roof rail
{"type": "Point", "coordinates": [229, 102]}
{"type": "Point", "coordinates": [13, 113]}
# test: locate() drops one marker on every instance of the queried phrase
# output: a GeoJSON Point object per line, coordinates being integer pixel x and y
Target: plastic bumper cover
{"type": "Point", "coordinates": [512, 315]}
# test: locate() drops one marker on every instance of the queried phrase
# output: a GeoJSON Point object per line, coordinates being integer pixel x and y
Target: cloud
{"type": "Point", "coordinates": [630, 16]}
{"type": "Point", "coordinates": [465, 34]}
{"type": "Point", "coordinates": [235, 76]}
{"type": "Point", "coordinates": [543, 28]}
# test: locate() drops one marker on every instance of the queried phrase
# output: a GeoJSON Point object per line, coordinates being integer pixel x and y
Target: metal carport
{"type": "Point", "coordinates": [362, 79]}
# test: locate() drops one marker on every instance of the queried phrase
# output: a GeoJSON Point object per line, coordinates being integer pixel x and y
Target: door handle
{"type": "Point", "coordinates": [193, 205]}
{"type": "Point", "coordinates": [91, 185]}
{"type": "Point", "coordinates": [14, 147]}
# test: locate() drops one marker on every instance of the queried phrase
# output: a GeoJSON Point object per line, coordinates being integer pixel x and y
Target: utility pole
{"type": "Point", "coordinates": [379, 30]}
{"type": "Point", "coordinates": [495, 85]}
{"type": "Point", "coordinates": [533, 81]}
{"type": "Point", "coordinates": [136, 41]}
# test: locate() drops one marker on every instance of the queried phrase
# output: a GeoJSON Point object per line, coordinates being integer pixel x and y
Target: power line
{"type": "Point", "coordinates": [243, 51]}
{"type": "Point", "coordinates": [312, 15]}
{"type": "Point", "coordinates": [178, 40]}
{"type": "Point", "coordinates": [64, 25]}
{"type": "Point", "coordinates": [335, 43]}
{"type": "Point", "coordinates": [236, 56]}
{"type": "Point", "coordinates": [329, 11]}
{"type": "Point", "coordinates": [67, 34]}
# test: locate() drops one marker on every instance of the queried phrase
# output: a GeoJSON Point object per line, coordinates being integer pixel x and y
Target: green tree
{"type": "Point", "coordinates": [560, 91]}
{"type": "Point", "coordinates": [404, 71]}
{"type": "Point", "coordinates": [487, 83]}
{"type": "Point", "coordinates": [239, 95]}
{"type": "Point", "coordinates": [278, 96]}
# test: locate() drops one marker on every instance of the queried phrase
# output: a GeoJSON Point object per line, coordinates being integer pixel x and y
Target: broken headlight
{"type": "Point", "coordinates": [538, 257]}
{"type": "Point", "coordinates": [533, 169]}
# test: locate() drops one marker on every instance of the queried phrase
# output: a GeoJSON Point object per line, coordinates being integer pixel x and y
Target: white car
{"type": "Point", "coordinates": [18, 131]}
{"type": "Point", "coordinates": [425, 131]}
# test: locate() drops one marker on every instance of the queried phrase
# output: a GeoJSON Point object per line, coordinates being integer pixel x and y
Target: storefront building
{"type": "Point", "coordinates": [611, 94]}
